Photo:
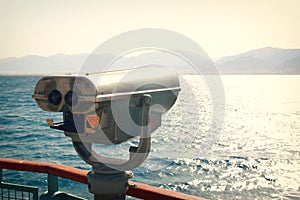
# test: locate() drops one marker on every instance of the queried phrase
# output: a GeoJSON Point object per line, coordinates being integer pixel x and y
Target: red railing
{"type": "Point", "coordinates": [139, 190]}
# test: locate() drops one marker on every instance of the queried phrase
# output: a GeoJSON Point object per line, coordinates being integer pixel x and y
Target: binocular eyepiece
{"type": "Point", "coordinates": [55, 98]}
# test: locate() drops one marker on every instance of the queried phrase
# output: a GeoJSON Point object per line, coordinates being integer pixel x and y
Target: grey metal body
{"type": "Point", "coordinates": [103, 87]}
{"type": "Point", "coordinates": [94, 95]}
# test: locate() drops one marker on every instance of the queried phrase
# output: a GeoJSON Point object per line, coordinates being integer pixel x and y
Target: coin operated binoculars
{"type": "Point", "coordinates": [109, 108]}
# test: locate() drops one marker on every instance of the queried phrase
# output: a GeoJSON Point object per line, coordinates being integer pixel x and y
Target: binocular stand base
{"type": "Point", "coordinates": [109, 186]}
{"type": "Point", "coordinates": [109, 197]}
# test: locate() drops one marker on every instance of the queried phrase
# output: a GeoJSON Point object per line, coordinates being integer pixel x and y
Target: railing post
{"type": "Point", "coordinates": [52, 184]}
{"type": "Point", "coordinates": [52, 188]}
{"type": "Point", "coordinates": [1, 174]}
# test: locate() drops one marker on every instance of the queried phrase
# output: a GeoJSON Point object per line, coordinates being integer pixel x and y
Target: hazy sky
{"type": "Point", "coordinates": [220, 27]}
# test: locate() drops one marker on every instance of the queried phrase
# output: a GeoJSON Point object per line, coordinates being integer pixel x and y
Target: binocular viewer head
{"type": "Point", "coordinates": [108, 107]}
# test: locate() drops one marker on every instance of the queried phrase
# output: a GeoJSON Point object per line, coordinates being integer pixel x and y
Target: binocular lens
{"type": "Point", "coordinates": [54, 97]}
{"type": "Point", "coordinates": [71, 98]}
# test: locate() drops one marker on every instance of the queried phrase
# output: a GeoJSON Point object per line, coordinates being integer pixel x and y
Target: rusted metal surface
{"type": "Point", "coordinates": [138, 190]}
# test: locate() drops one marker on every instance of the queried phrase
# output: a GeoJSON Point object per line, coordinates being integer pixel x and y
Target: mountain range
{"type": "Point", "coordinates": [267, 60]}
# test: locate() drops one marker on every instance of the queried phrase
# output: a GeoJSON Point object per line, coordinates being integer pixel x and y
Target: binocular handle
{"type": "Point", "coordinates": [106, 165]}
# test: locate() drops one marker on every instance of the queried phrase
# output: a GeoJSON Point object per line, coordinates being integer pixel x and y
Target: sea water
{"type": "Point", "coordinates": [254, 155]}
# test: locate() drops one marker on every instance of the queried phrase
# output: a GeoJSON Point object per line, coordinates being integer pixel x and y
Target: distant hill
{"type": "Point", "coordinates": [266, 60]}
{"type": "Point", "coordinates": [33, 64]}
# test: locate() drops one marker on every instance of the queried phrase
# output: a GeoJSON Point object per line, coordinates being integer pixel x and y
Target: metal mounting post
{"type": "Point", "coordinates": [109, 180]}
{"type": "Point", "coordinates": [109, 186]}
